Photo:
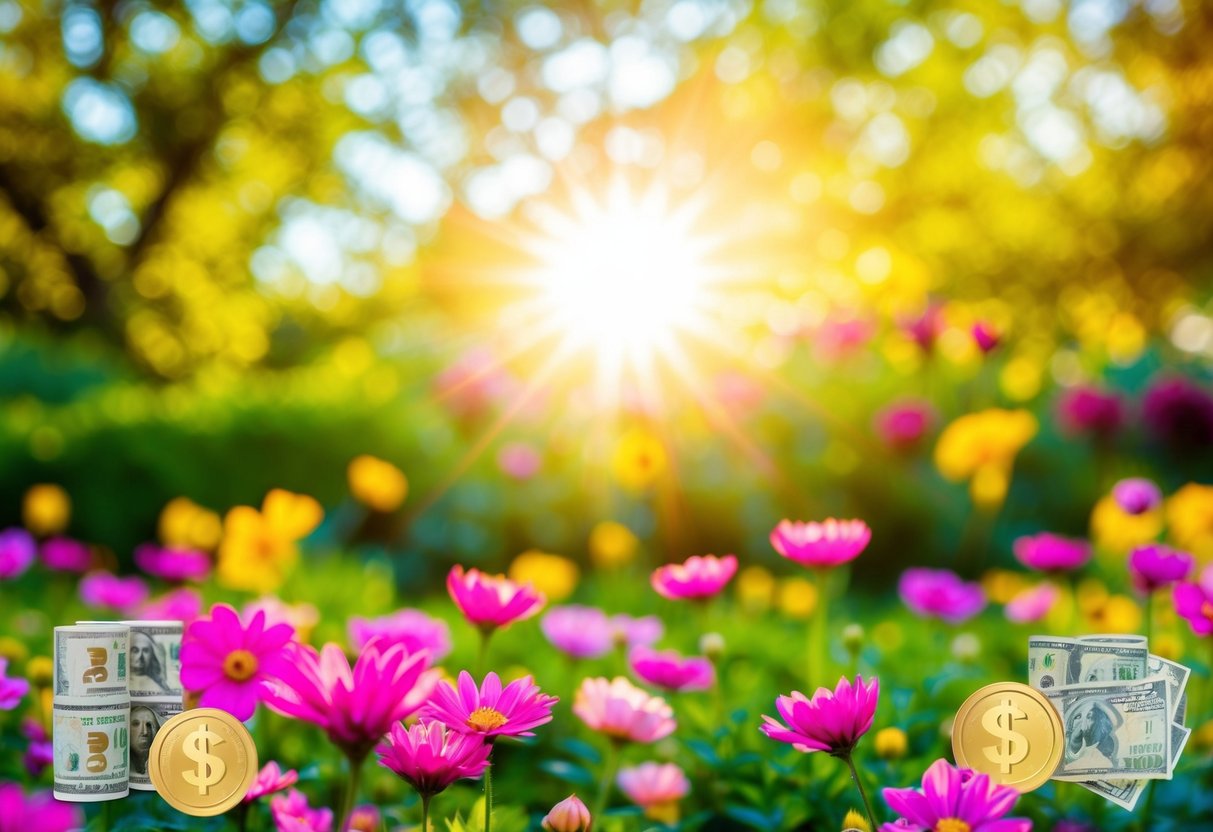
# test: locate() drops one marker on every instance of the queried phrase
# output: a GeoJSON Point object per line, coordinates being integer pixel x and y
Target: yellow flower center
{"type": "Point", "coordinates": [486, 719]}
{"type": "Point", "coordinates": [240, 665]}
{"type": "Point", "coordinates": [952, 825]}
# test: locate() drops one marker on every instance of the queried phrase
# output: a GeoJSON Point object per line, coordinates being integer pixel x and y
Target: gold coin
{"type": "Point", "coordinates": [203, 762]}
{"type": "Point", "coordinates": [1010, 732]}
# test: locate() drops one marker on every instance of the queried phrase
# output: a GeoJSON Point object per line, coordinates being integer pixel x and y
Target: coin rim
{"type": "Point", "coordinates": [1054, 758]}
{"type": "Point", "coordinates": [156, 775]}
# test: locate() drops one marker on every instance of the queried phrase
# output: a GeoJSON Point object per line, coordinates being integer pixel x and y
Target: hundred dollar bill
{"type": "Point", "coordinates": [1126, 793]}
{"type": "Point", "coordinates": [90, 737]}
{"type": "Point", "coordinates": [155, 657]}
{"type": "Point", "coordinates": [1115, 730]}
{"type": "Point", "coordinates": [147, 715]}
{"type": "Point", "coordinates": [1057, 662]}
{"type": "Point", "coordinates": [1115, 638]}
{"type": "Point", "coordinates": [90, 660]}
{"type": "Point", "coordinates": [1177, 680]}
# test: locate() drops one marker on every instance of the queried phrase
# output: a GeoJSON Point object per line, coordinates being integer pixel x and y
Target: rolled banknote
{"type": "Point", "coordinates": [1126, 793]}
{"type": "Point", "coordinates": [91, 737]}
{"type": "Point", "coordinates": [1056, 662]}
{"type": "Point", "coordinates": [147, 715]}
{"type": "Point", "coordinates": [1115, 730]}
{"type": "Point", "coordinates": [91, 660]}
{"type": "Point", "coordinates": [1177, 680]}
{"type": "Point", "coordinates": [1115, 638]}
{"type": "Point", "coordinates": [155, 659]}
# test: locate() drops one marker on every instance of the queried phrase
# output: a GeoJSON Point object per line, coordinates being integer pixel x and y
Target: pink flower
{"type": "Point", "coordinates": [667, 669]}
{"type": "Point", "coordinates": [821, 545]}
{"type": "Point", "coordinates": [903, 424]}
{"type": "Point", "coordinates": [40, 753]}
{"type": "Point", "coordinates": [695, 578]}
{"type": "Point", "coordinates": [1136, 495]}
{"type": "Point", "coordinates": [355, 706]}
{"type": "Point", "coordinates": [582, 632]}
{"type": "Point", "coordinates": [1032, 604]}
{"type": "Point", "coordinates": [842, 334]}
{"type": "Point", "coordinates": [269, 780]}
{"type": "Point", "coordinates": [430, 756]}
{"type": "Point", "coordinates": [630, 632]}
{"type": "Point", "coordinates": [622, 711]}
{"type": "Point", "coordinates": [569, 815]}
{"type": "Point", "coordinates": [938, 593]}
{"type": "Point", "coordinates": [291, 813]}
{"type": "Point", "coordinates": [17, 552]}
{"type": "Point", "coordinates": [653, 784]}
{"type": "Point", "coordinates": [830, 722]}
{"type": "Point", "coordinates": [63, 554]}
{"type": "Point", "coordinates": [1154, 566]}
{"type": "Point", "coordinates": [968, 801]}
{"type": "Point", "coordinates": [1089, 410]}
{"type": "Point", "coordinates": [1051, 552]}
{"type": "Point", "coordinates": [923, 329]}
{"type": "Point", "coordinates": [12, 690]}
{"type": "Point", "coordinates": [1195, 602]}
{"type": "Point", "coordinates": [365, 818]}
{"type": "Point", "coordinates": [986, 337]}
{"type": "Point", "coordinates": [411, 628]}
{"type": "Point", "coordinates": [302, 617]}
{"type": "Point", "coordinates": [105, 590]}
{"type": "Point", "coordinates": [171, 564]}
{"type": "Point", "coordinates": [183, 604]}
{"type": "Point", "coordinates": [491, 601]}
{"type": "Point", "coordinates": [1179, 413]}
{"type": "Point", "coordinates": [519, 460]}
{"type": "Point", "coordinates": [231, 664]}
{"type": "Point", "coordinates": [39, 811]}
{"type": "Point", "coordinates": [491, 710]}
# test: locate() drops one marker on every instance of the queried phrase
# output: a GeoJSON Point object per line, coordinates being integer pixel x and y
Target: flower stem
{"type": "Point", "coordinates": [862, 794]}
{"type": "Point", "coordinates": [242, 816]}
{"type": "Point", "coordinates": [608, 776]}
{"type": "Point", "coordinates": [819, 629]}
{"type": "Point", "coordinates": [425, 813]}
{"type": "Point", "coordinates": [351, 791]}
{"type": "Point", "coordinates": [482, 659]}
{"type": "Point", "coordinates": [488, 794]}
{"type": "Point", "coordinates": [1149, 615]}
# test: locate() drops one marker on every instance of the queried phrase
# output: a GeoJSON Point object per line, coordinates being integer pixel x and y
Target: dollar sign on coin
{"type": "Point", "coordinates": [211, 768]}
{"type": "Point", "coordinates": [1000, 721]}
{"type": "Point", "coordinates": [203, 761]}
{"type": "Point", "coordinates": [1010, 732]}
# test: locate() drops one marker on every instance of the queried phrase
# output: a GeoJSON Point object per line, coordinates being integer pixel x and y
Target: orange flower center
{"type": "Point", "coordinates": [240, 665]}
{"type": "Point", "coordinates": [952, 825]}
{"type": "Point", "coordinates": [486, 719]}
{"type": "Point", "coordinates": [1206, 609]}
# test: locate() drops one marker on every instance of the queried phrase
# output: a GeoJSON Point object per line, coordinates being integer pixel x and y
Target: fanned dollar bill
{"type": "Point", "coordinates": [91, 742]}
{"type": "Point", "coordinates": [1059, 662]}
{"type": "Point", "coordinates": [1126, 793]}
{"type": "Point", "coordinates": [1177, 680]}
{"type": "Point", "coordinates": [147, 715]}
{"type": "Point", "coordinates": [1115, 730]}
{"type": "Point", "coordinates": [91, 660]}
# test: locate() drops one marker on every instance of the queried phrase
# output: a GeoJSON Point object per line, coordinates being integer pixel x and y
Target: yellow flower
{"type": "Point", "coordinates": [377, 484]}
{"type": "Point", "coordinates": [259, 547]}
{"type": "Point", "coordinates": [612, 544]}
{"type": "Point", "coordinates": [553, 575]}
{"type": "Point", "coordinates": [13, 650]}
{"type": "Point", "coordinates": [46, 509]}
{"type": "Point", "coordinates": [1118, 614]}
{"type": "Point", "coordinates": [666, 812]}
{"type": "Point", "coordinates": [891, 743]}
{"type": "Point", "coordinates": [1115, 530]}
{"type": "Point", "coordinates": [187, 525]}
{"type": "Point", "coordinates": [1190, 515]}
{"type": "Point", "coordinates": [755, 588]}
{"type": "Point", "coordinates": [39, 671]}
{"type": "Point", "coordinates": [639, 460]}
{"type": "Point", "coordinates": [1202, 737]}
{"type": "Point", "coordinates": [854, 820]}
{"type": "Point", "coordinates": [1001, 585]}
{"type": "Point", "coordinates": [981, 447]}
{"type": "Point", "coordinates": [797, 597]}
{"type": "Point", "coordinates": [1167, 645]}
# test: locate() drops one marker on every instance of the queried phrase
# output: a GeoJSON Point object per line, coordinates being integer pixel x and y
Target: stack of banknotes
{"type": "Point", "coordinates": [1122, 708]}
{"type": "Point", "coordinates": [115, 683]}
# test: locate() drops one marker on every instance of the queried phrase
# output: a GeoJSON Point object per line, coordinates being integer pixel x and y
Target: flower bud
{"type": "Point", "coordinates": [712, 646]}
{"type": "Point", "coordinates": [891, 743]}
{"type": "Point", "coordinates": [852, 638]}
{"type": "Point", "coordinates": [966, 647]}
{"type": "Point", "coordinates": [569, 815]}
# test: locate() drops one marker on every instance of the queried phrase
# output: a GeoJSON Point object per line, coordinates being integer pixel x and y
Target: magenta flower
{"type": "Point", "coordinates": [364, 818]}
{"type": "Point", "coordinates": [651, 785]}
{"type": "Point", "coordinates": [430, 756]}
{"type": "Point", "coordinates": [269, 780]}
{"type": "Point", "coordinates": [938, 593]}
{"type": "Point", "coordinates": [1195, 602]}
{"type": "Point", "coordinates": [63, 554]}
{"type": "Point", "coordinates": [1179, 413]}
{"type": "Point", "coordinates": [105, 590]}
{"type": "Point", "coordinates": [986, 337]}
{"type": "Point", "coordinates": [1051, 552]}
{"type": "Point", "coordinates": [40, 753]}
{"type": "Point", "coordinates": [19, 813]}
{"type": "Point", "coordinates": [1032, 604]}
{"type": "Point", "coordinates": [1154, 566]}
{"type": "Point", "coordinates": [842, 334]}
{"type": "Point", "coordinates": [581, 632]}
{"type": "Point", "coordinates": [953, 800]}
{"type": "Point", "coordinates": [925, 328]}
{"type": "Point", "coordinates": [830, 722]}
{"type": "Point", "coordinates": [1136, 495]}
{"type": "Point", "coordinates": [491, 710]}
{"type": "Point", "coordinates": [627, 631]}
{"type": "Point", "coordinates": [291, 813]}
{"type": "Point", "coordinates": [622, 711]}
{"type": "Point", "coordinates": [569, 815]}
{"type": "Point", "coordinates": [411, 628]}
{"type": "Point", "coordinates": [491, 601]}
{"type": "Point", "coordinates": [519, 460]}
{"type": "Point", "coordinates": [1090, 411]}
{"type": "Point", "coordinates": [17, 552]}
{"type": "Point", "coordinates": [171, 564]}
{"type": "Point", "coordinates": [696, 578]}
{"type": "Point", "coordinates": [903, 424]}
{"type": "Point", "coordinates": [821, 545]}
{"type": "Point", "coordinates": [667, 669]}
{"type": "Point", "coordinates": [230, 663]}
{"type": "Point", "coordinates": [12, 689]}
{"type": "Point", "coordinates": [183, 604]}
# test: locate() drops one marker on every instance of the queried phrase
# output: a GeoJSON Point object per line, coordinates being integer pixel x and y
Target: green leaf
{"type": "Point", "coordinates": [568, 772]}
